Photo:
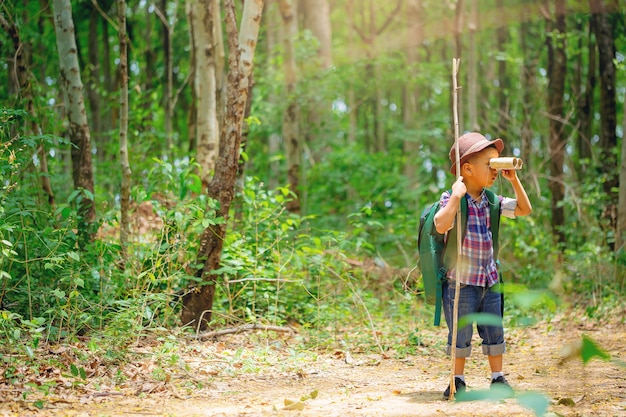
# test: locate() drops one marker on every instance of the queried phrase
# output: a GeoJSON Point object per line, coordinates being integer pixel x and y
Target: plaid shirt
{"type": "Point", "coordinates": [478, 265]}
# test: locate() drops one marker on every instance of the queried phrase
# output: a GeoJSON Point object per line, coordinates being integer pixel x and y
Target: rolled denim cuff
{"type": "Point", "coordinates": [460, 352]}
{"type": "Point", "coordinates": [494, 350]}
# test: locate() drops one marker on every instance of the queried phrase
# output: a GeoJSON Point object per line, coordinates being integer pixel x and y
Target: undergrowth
{"type": "Point", "coordinates": [340, 288]}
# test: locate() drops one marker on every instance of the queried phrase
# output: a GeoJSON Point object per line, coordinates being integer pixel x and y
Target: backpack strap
{"type": "Point", "coordinates": [450, 256]}
{"type": "Point", "coordinates": [494, 213]}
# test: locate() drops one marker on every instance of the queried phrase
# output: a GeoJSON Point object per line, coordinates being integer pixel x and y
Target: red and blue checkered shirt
{"type": "Point", "coordinates": [478, 266]}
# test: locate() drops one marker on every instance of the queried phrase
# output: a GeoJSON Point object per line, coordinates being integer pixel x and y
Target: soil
{"type": "Point", "coordinates": [258, 374]}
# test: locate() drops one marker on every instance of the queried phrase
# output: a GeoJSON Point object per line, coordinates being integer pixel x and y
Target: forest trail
{"type": "Point", "coordinates": [235, 377]}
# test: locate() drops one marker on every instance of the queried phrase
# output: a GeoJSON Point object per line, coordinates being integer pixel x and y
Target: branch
{"type": "Point", "coordinates": [104, 15]}
{"type": "Point", "coordinates": [389, 18]}
{"type": "Point", "coordinates": [244, 328]}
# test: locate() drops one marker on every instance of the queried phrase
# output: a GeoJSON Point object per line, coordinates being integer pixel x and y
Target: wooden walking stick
{"type": "Point", "coordinates": [459, 244]}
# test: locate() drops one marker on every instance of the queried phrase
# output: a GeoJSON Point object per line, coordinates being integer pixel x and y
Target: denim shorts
{"type": "Point", "coordinates": [474, 299]}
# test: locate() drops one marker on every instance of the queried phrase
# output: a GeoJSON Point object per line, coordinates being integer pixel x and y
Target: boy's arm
{"type": "Point", "coordinates": [444, 218]}
{"type": "Point", "coordinates": [524, 208]}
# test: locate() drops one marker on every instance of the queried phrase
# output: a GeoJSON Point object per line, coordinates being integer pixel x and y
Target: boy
{"type": "Point", "coordinates": [478, 272]}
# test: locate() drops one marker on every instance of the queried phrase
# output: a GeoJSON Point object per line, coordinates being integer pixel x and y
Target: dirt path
{"type": "Point", "coordinates": [225, 379]}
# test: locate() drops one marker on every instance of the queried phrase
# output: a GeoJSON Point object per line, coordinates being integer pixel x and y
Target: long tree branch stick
{"type": "Point", "coordinates": [244, 328]}
{"type": "Point", "coordinates": [459, 243]}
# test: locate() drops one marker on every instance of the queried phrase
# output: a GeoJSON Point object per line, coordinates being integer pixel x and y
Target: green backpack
{"type": "Point", "coordinates": [436, 257]}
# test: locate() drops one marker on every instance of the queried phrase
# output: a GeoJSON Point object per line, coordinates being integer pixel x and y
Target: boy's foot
{"type": "Point", "coordinates": [500, 383]}
{"type": "Point", "coordinates": [459, 385]}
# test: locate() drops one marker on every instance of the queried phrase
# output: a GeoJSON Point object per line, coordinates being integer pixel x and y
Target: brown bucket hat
{"type": "Point", "coordinates": [470, 144]}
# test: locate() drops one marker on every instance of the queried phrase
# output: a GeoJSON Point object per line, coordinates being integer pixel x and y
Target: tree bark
{"type": "Point", "coordinates": [317, 20]}
{"type": "Point", "coordinates": [291, 135]}
{"type": "Point", "coordinates": [458, 52]}
{"type": "Point", "coordinates": [207, 129]}
{"type": "Point", "coordinates": [93, 81]}
{"type": "Point", "coordinates": [557, 66]}
{"type": "Point", "coordinates": [472, 69]}
{"type": "Point", "coordinates": [503, 87]}
{"type": "Point", "coordinates": [608, 107]}
{"type": "Point", "coordinates": [529, 74]}
{"type": "Point", "coordinates": [620, 235]}
{"type": "Point", "coordinates": [168, 86]}
{"type": "Point", "coordinates": [19, 69]}
{"type": "Point", "coordinates": [583, 88]}
{"type": "Point", "coordinates": [82, 169]}
{"type": "Point", "coordinates": [272, 23]}
{"type": "Point", "coordinates": [198, 302]}
{"type": "Point", "coordinates": [125, 165]}
{"type": "Point", "coordinates": [415, 36]}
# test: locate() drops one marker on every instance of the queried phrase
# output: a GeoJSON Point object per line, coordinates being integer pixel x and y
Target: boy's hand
{"type": "Point", "coordinates": [509, 174]}
{"type": "Point", "coordinates": [458, 188]}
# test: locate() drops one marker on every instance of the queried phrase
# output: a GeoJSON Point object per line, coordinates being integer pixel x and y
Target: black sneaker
{"type": "Point", "coordinates": [459, 385]}
{"type": "Point", "coordinates": [501, 384]}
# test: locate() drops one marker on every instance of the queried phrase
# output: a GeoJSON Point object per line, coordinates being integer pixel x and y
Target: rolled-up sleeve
{"type": "Point", "coordinates": [508, 207]}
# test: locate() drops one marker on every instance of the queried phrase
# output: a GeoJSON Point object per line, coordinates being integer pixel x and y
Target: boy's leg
{"type": "Point", "coordinates": [493, 339]}
{"type": "Point", "coordinates": [492, 336]}
{"type": "Point", "coordinates": [495, 363]}
{"type": "Point", "coordinates": [459, 366]}
{"type": "Point", "coordinates": [469, 301]}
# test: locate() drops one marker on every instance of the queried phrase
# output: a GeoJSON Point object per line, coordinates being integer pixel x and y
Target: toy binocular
{"type": "Point", "coordinates": [506, 163]}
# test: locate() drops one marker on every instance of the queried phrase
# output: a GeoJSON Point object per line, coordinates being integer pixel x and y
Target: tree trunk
{"type": "Point", "coordinates": [272, 23]}
{"type": "Point", "coordinates": [352, 102]}
{"type": "Point", "coordinates": [529, 74]}
{"type": "Point", "coordinates": [220, 63]}
{"type": "Point", "coordinates": [472, 69]}
{"type": "Point", "coordinates": [82, 170]}
{"type": "Point", "coordinates": [557, 66]}
{"type": "Point", "coordinates": [291, 135]}
{"type": "Point", "coordinates": [608, 107]}
{"type": "Point", "coordinates": [207, 129]}
{"type": "Point", "coordinates": [108, 87]}
{"type": "Point", "coordinates": [125, 166]}
{"type": "Point", "coordinates": [620, 235]}
{"type": "Point", "coordinates": [93, 80]}
{"type": "Point", "coordinates": [585, 103]}
{"type": "Point", "coordinates": [19, 69]}
{"type": "Point", "coordinates": [503, 87]}
{"type": "Point", "coordinates": [458, 52]}
{"type": "Point", "coordinates": [415, 36]}
{"type": "Point", "coordinates": [317, 20]}
{"type": "Point", "coordinates": [316, 110]}
{"type": "Point", "coordinates": [168, 85]}
{"type": "Point", "coordinates": [198, 302]}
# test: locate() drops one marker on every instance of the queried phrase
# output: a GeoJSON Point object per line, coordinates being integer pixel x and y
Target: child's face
{"type": "Point", "coordinates": [478, 172]}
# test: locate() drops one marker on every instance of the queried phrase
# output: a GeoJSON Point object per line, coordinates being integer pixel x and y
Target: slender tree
{"type": "Point", "coordinates": [584, 85]}
{"type": "Point", "coordinates": [503, 81]}
{"type": "Point", "coordinates": [529, 74]}
{"type": "Point", "coordinates": [93, 81]}
{"type": "Point", "coordinates": [291, 134]}
{"type": "Point", "coordinates": [272, 23]}
{"type": "Point", "coordinates": [608, 108]}
{"type": "Point", "coordinates": [369, 30]}
{"type": "Point", "coordinates": [207, 129]}
{"type": "Point", "coordinates": [415, 36]}
{"type": "Point", "coordinates": [19, 70]}
{"type": "Point", "coordinates": [557, 67]}
{"type": "Point", "coordinates": [620, 235]}
{"type": "Point", "coordinates": [167, 30]}
{"type": "Point", "coordinates": [198, 302]}
{"type": "Point", "coordinates": [472, 68]}
{"type": "Point", "coordinates": [71, 83]}
{"type": "Point", "coordinates": [125, 165]}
